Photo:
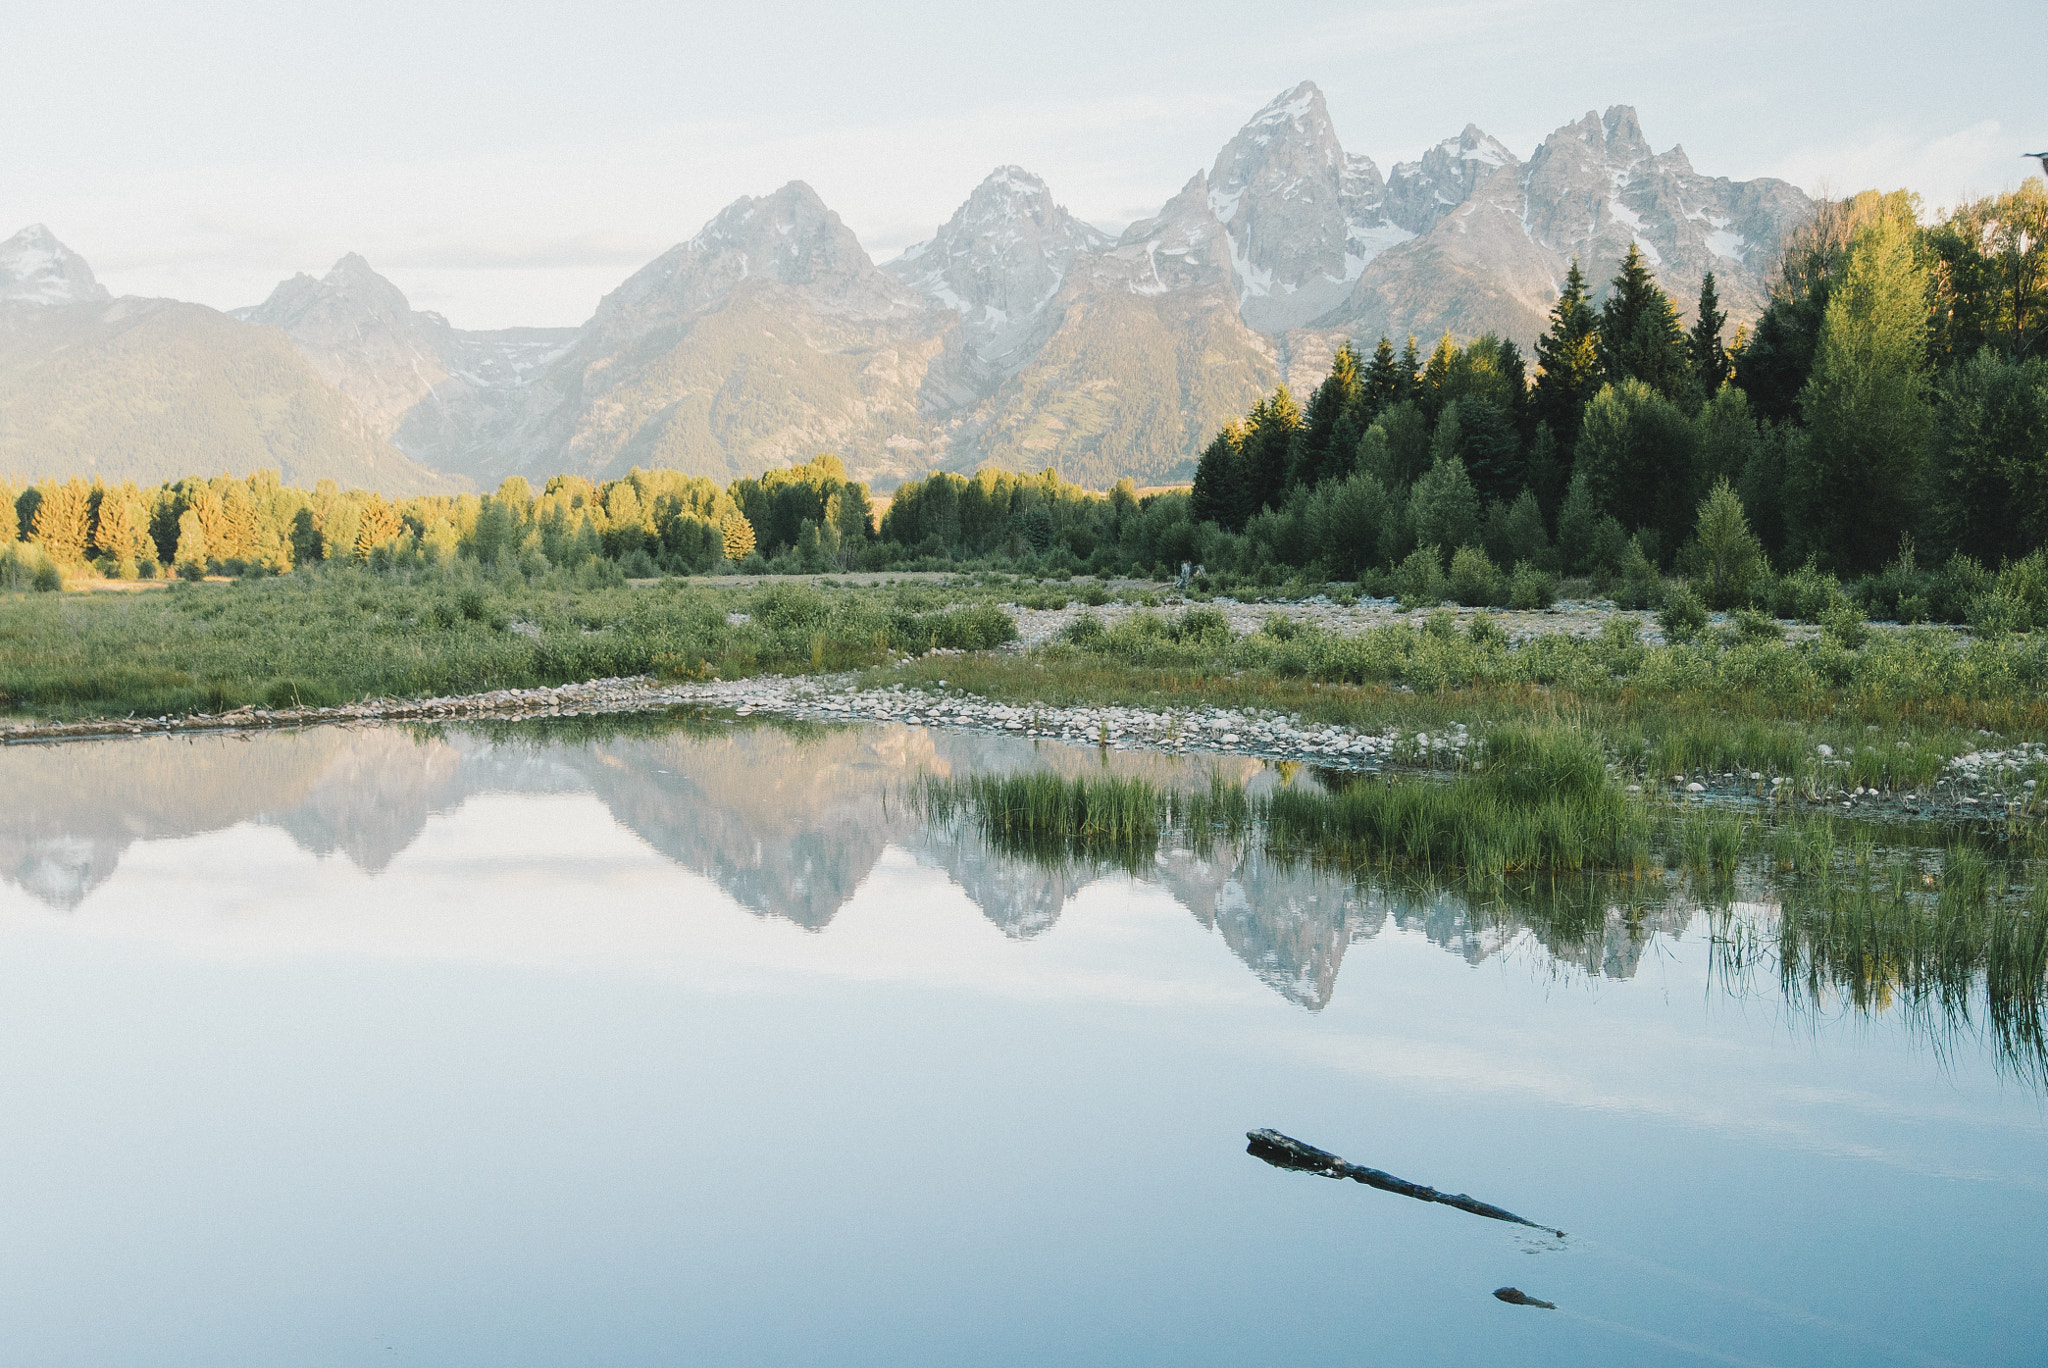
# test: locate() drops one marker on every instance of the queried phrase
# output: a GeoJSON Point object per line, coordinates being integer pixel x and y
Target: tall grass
{"type": "Point", "coordinates": [1542, 802]}
{"type": "Point", "coordinates": [326, 637]}
{"type": "Point", "coordinates": [1940, 938]}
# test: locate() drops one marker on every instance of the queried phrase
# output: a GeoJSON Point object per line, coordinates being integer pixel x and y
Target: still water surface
{"type": "Point", "coordinates": [684, 1044]}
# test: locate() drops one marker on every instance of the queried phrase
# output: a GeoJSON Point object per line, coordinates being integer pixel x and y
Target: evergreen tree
{"type": "Point", "coordinates": [1724, 557]}
{"type": "Point", "coordinates": [1710, 366]}
{"type": "Point", "coordinates": [1218, 495]}
{"type": "Point", "coordinates": [1408, 443]}
{"type": "Point", "coordinates": [378, 525]}
{"type": "Point", "coordinates": [1409, 370]}
{"type": "Point", "coordinates": [1432, 391]}
{"type": "Point", "coordinates": [1445, 507]}
{"type": "Point", "coordinates": [1988, 474]}
{"type": "Point", "coordinates": [1640, 336]}
{"type": "Point", "coordinates": [191, 541]}
{"type": "Point", "coordinates": [1515, 372]}
{"type": "Point", "coordinates": [1569, 358]}
{"type": "Point", "coordinates": [1271, 434]}
{"type": "Point", "coordinates": [1314, 455]}
{"type": "Point", "coordinates": [63, 521]}
{"type": "Point", "coordinates": [1727, 436]}
{"type": "Point", "coordinates": [1383, 383]}
{"type": "Point", "coordinates": [121, 531]}
{"type": "Point", "coordinates": [1866, 407]}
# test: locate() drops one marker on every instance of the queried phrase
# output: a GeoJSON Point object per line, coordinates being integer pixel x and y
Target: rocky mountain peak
{"type": "Point", "coordinates": [1419, 193]}
{"type": "Point", "coordinates": [790, 238]}
{"type": "Point", "coordinates": [35, 268]}
{"type": "Point", "coordinates": [351, 294]}
{"type": "Point", "coordinates": [1624, 135]}
{"type": "Point", "coordinates": [1000, 259]}
{"type": "Point", "coordinates": [1301, 216]}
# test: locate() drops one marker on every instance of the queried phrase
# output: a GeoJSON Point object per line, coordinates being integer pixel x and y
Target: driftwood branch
{"type": "Point", "coordinates": [1282, 1151]}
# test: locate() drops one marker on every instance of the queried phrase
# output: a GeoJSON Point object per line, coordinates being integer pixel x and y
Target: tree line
{"type": "Point", "coordinates": [646, 523]}
{"type": "Point", "coordinates": [1885, 422]}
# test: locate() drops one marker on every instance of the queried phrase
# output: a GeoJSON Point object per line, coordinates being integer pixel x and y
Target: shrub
{"type": "Point", "coordinates": [26, 566]}
{"type": "Point", "coordinates": [1085, 631]}
{"type": "Point", "coordinates": [1531, 588]}
{"type": "Point", "coordinates": [1475, 579]}
{"type": "Point", "coordinates": [1842, 623]}
{"type": "Point", "coordinates": [1683, 616]}
{"type": "Point", "coordinates": [1750, 625]}
{"type": "Point", "coordinates": [1803, 595]}
{"type": "Point", "coordinates": [1419, 581]}
{"type": "Point", "coordinates": [1204, 626]}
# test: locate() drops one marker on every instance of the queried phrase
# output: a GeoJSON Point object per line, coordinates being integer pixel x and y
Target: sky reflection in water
{"type": "Point", "coordinates": [683, 1046]}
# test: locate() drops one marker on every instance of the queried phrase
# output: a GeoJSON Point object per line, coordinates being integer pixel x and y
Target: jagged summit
{"type": "Point", "coordinates": [999, 260]}
{"type": "Point", "coordinates": [1016, 333]}
{"type": "Point", "coordinates": [35, 268]}
{"type": "Point", "coordinates": [790, 238]}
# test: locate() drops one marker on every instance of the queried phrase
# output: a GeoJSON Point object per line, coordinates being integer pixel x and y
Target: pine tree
{"type": "Point", "coordinates": [63, 521]}
{"type": "Point", "coordinates": [379, 524]}
{"type": "Point", "coordinates": [191, 541]}
{"type": "Point", "coordinates": [1436, 375]}
{"type": "Point", "coordinates": [1314, 456]}
{"type": "Point", "coordinates": [1272, 430]}
{"type": "Point", "coordinates": [1383, 385]}
{"type": "Point", "coordinates": [736, 535]}
{"type": "Point", "coordinates": [1409, 372]}
{"type": "Point", "coordinates": [1640, 336]}
{"type": "Point", "coordinates": [1710, 365]}
{"type": "Point", "coordinates": [1570, 360]}
{"type": "Point", "coordinates": [121, 531]}
{"type": "Point", "coordinates": [1218, 494]}
{"type": "Point", "coordinates": [1508, 360]}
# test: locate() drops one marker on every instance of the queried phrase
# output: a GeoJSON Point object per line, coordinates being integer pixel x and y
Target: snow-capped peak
{"type": "Point", "coordinates": [35, 268]}
{"type": "Point", "coordinates": [1000, 259]}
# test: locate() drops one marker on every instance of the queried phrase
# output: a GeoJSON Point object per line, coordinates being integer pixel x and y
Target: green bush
{"type": "Point", "coordinates": [26, 566]}
{"type": "Point", "coordinates": [1683, 616]}
{"type": "Point", "coordinates": [1419, 581]}
{"type": "Point", "coordinates": [1531, 588]}
{"type": "Point", "coordinates": [1475, 579]}
{"type": "Point", "coordinates": [1842, 623]}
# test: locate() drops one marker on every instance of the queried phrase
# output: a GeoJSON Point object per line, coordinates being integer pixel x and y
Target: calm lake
{"type": "Point", "coordinates": [688, 1042]}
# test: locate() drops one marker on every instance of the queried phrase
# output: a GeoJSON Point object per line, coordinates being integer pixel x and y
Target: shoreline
{"type": "Point", "coordinates": [1256, 734]}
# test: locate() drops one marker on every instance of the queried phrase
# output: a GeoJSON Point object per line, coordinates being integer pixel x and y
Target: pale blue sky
{"type": "Point", "coordinates": [509, 162]}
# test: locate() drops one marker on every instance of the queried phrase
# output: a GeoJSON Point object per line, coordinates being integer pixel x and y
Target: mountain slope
{"type": "Point", "coordinates": [152, 390]}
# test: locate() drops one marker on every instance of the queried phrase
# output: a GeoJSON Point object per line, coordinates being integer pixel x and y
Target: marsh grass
{"type": "Point", "coordinates": [1542, 801]}
{"type": "Point", "coordinates": [1940, 935]}
{"type": "Point", "coordinates": [326, 637]}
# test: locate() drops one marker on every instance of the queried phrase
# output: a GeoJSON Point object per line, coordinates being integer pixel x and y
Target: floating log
{"type": "Point", "coordinates": [1284, 1151]}
{"type": "Point", "coordinates": [1515, 1296]}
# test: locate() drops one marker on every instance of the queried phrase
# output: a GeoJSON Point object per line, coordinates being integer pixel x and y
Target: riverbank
{"type": "Point", "coordinates": [1987, 783]}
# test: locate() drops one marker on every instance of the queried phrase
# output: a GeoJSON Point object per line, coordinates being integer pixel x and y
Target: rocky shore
{"type": "Point", "coordinates": [1984, 784]}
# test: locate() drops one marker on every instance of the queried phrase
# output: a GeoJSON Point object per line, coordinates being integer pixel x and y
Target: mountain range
{"type": "Point", "coordinates": [1016, 335]}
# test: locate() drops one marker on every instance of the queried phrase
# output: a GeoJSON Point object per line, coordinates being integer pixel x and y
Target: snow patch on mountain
{"type": "Point", "coordinates": [35, 268]}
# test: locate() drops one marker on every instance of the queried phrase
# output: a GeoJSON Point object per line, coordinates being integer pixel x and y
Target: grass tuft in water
{"type": "Point", "coordinates": [1543, 802]}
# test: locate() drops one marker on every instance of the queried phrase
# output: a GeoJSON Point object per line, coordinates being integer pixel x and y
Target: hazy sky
{"type": "Point", "coordinates": [510, 162]}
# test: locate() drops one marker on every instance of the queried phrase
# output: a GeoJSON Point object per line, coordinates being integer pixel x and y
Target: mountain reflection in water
{"type": "Point", "coordinates": [787, 820]}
